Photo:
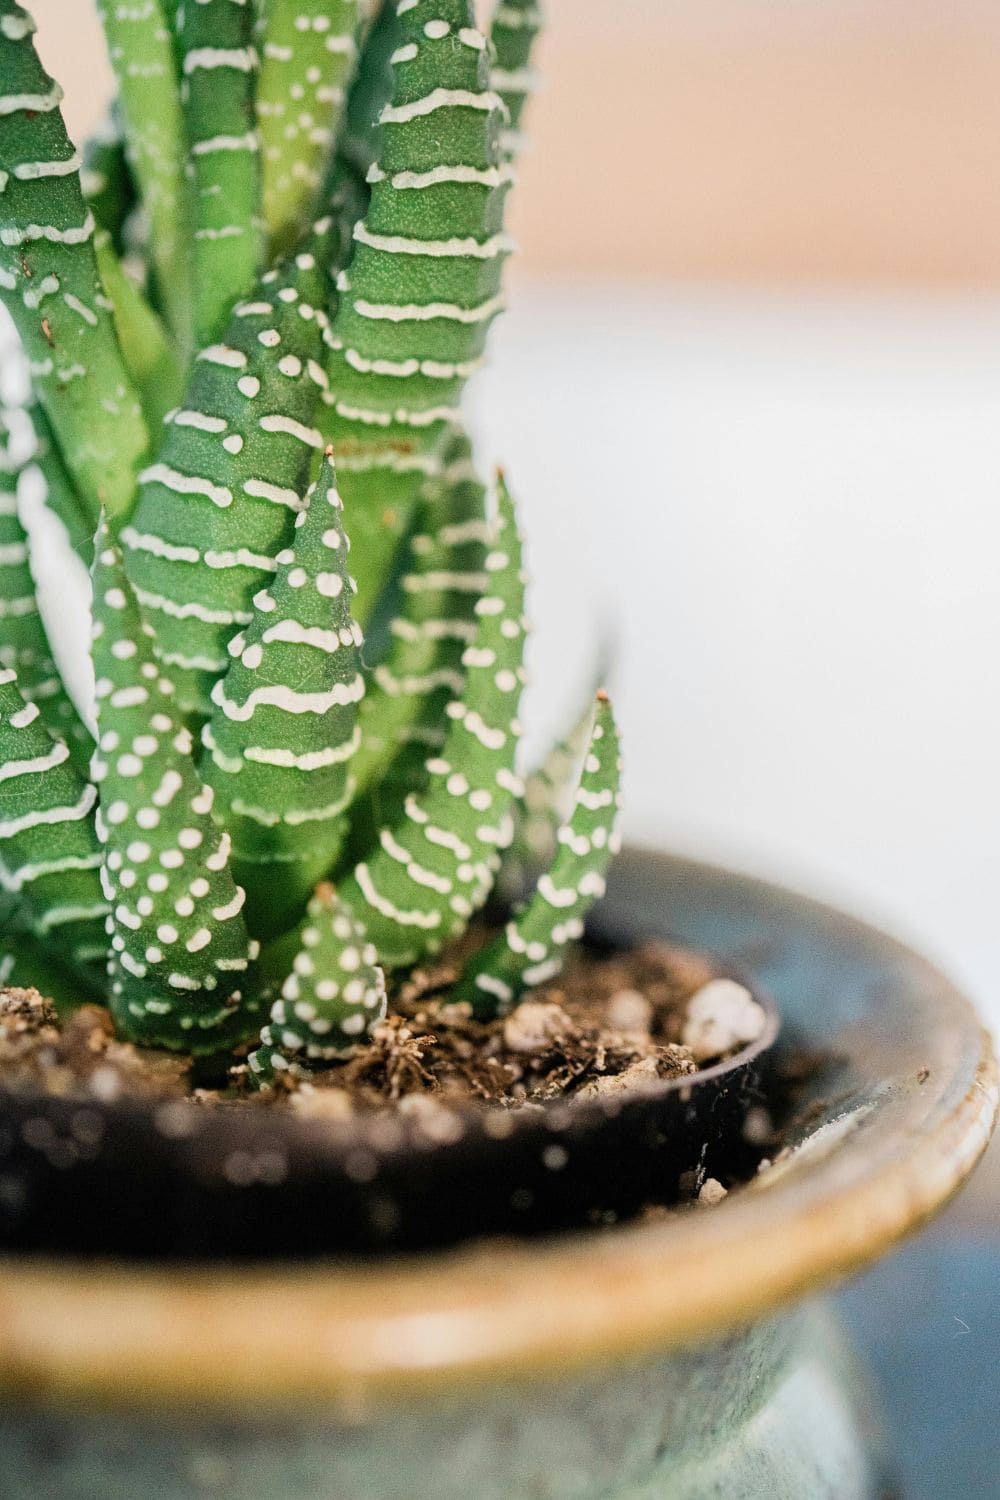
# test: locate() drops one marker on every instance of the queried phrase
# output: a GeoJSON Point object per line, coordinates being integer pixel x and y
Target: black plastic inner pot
{"type": "Point", "coordinates": [171, 1181]}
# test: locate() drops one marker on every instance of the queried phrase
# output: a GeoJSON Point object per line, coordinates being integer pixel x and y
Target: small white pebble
{"type": "Point", "coordinates": [722, 1017]}
{"type": "Point", "coordinates": [712, 1191]}
{"type": "Point", "coordinates": [533, 1025]}
{"type": "Point", "coordinates": [628, 1011]}
{"type": "Point", "coordinates": [105, 1084]}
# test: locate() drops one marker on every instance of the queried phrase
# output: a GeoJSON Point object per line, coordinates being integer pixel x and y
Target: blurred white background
{"type": "Point", "coordinates": [748, 395]}
{"type": "Point", "coordinates": [791, 502]}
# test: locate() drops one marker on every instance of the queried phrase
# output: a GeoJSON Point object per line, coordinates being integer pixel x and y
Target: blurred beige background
{"type": "Point", "coordinates": [760, 139]}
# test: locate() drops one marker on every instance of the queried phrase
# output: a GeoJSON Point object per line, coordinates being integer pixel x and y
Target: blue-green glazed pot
{"type": "Point", "coordinates": [676, 1359]}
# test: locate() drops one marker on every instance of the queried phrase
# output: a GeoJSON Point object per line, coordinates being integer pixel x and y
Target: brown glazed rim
{"type": "Point", "coordinates": [283, 1337]}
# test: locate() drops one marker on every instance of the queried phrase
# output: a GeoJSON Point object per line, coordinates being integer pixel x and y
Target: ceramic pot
{"type": "Point", "coordinates": [668, 1360]}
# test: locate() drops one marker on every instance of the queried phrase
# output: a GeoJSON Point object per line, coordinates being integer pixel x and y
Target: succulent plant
{"type": "Point", "coordinates": [249, 313]}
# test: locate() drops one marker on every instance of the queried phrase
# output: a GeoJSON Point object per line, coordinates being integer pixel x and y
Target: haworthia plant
{"type": "Point", "coordinates": [219, 503]}
{"type": "Point", "coordinates": [424, 281]}
{"type": "Point", "coordinates": [143, 55]}
{"type": "Point", "coordinates": [106, 179]}
{"type": "Point", "coordinates": [284, 727]}
{"type": "Point", "coordinates": [49, 854]}
{"type": "Point", "coordinates": [530, 949]}
{"type": "Point", "coordinates": [179, 946]}
{"type": "Point", "coordinates": [308, 55]}
{"type": "Point", "coordinates": [61, 496]}
{"type": "Point", "coordinates": [147, 346]}
{"type": "Point", "coordinates": [403, 716]}
{"type": "Point", "coordinates": [218, 75]}
{"type": "Point", "coordinates": [432, 870]}
{"type": "Point", "coordinates": [333, 991]}
{"type": "Point", "coordinates": [24, 642]}
{"type": "Point", "coordinates": [249, 321]}
{"type": "Point", "coordinates": [50, 281]}
{"type": "Point", "coordinates": [516, 24]}
{"type": "Point", "coordinates": [549, 785]}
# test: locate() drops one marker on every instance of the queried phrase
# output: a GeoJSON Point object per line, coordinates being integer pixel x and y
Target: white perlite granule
{"type": "Point", "coordinates": [722, 1017]}
{"type": "Point", "coordinates": [628, 1012]}
{"type": "Point", "coordinates": [712, 1191]}
{"type": "Point", "coordinates": [533, 1025]}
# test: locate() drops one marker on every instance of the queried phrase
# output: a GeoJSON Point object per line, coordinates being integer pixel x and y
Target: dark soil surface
{"type": "Point", "coordinates": [611, 1022]}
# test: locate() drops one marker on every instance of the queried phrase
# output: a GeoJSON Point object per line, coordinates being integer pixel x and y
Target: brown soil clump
{"type": "Point", "coordinates": [79, 1053]}
{"type": "Point", "coordinates": [566, 1038]}
{"type": "Point", "coordinates": [610, 1023]}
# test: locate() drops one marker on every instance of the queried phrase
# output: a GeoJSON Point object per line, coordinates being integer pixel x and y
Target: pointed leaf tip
{"type": "Point", "coordinates": [531, 949]}
{"type": "Point", "coordinates": [332, 995]}
{"type": "Point", "coordinates": [179, 945]}
{"type": "Point", "coordinates": [283, 731]}
{"type": "Point", "coordinates": [434, 867]}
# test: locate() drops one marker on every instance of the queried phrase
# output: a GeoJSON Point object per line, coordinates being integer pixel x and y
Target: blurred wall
{"type": "Point", "coordinates": [832, 140]}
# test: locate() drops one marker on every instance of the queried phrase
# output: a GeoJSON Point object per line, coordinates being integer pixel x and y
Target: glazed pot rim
{"type": "Point", "coordinates": [285, 1336]}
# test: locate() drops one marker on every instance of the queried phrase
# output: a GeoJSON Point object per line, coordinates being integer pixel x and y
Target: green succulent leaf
{"type": "Point", "coordinates": [179, 946]}
{"type": "Point", "coordinates": [219, 71]}
{"type": "Point", "coordinates": [332, 994]}
{"type": "Point", "coordinates": [402, 718]}
{"type": "Point", "coordinates": [309, 51]}
{"type": "Point", "coordinates": [284, 728]}
{"type": "Point", "coordinates": [149, 351]}
{"type": "Point", "coordinates": [516, 24]}
{"type": "Point", "coordinates": [434, 868]}
{"type": "Point", "coordinates": [24, 643]}
{"type": "Point", "coordinates": [531, 949]}
{"type": "Point", "coordinates": [106, 178]}
{"type": "Point", "coordinates": [60, 493]}
{"type": "Point", "coordinates": [219, 503]}
{"type": "Point", "coordinates": [141, 49]}
{"type": "Point", "coordinates": [49, 854]}
{"type": "Point", "coordinates": [26, 965]}
{"type": "Point", "coordinates": [49, 280]}
{"type": "Point", "coordinates": [423, 285]}
{"type": "Point", "coordinates": [371, 89]}
{"type": "Point", "coordinates": [549, 787]}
